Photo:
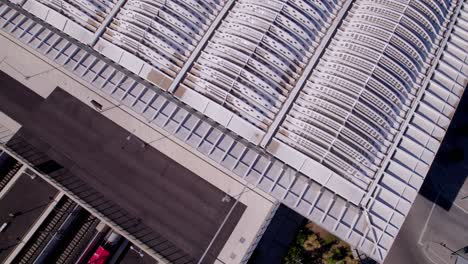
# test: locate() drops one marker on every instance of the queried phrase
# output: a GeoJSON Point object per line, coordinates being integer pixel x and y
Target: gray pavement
{"type": "Point", "coordinates": [141, 185]}
{"type": "Point", "coordinates": [449, 228]}
{"type": "Point", "coordinates": [31, 198]}
{"type": "Point", "coordinates": [14, 91]}
{"type": "Point", "coordinates": [426, 226]}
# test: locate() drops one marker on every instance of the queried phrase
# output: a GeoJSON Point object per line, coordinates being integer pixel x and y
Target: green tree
{"type": "Point", "coordinates": [335, 255]}
{"type": "Point", "coordinates": [294, 256]}
{"type": "Point", "coordinates": [312, 243]}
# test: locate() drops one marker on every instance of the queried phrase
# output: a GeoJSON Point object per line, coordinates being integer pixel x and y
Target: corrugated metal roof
{"type": "Point", "coordinates": [353, 147]}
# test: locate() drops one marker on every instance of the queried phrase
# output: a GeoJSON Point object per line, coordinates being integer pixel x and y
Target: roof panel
{"type": "Point", "coordinates": [366, 104]}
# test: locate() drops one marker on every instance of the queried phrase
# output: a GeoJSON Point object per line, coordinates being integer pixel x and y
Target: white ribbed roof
{"type": "Point", "coordinates": [343, 131]}
{"type": "Point", "coordinates": [253, 60]}
{"type": "Point", "coordinates": [352, 108]}
{"type": "Point", "coordinates": [87, 13]}
{"type": "Point", "coordinates": [163, 33]}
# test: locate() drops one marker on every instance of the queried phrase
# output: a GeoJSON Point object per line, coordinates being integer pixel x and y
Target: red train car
{"type": "Point", "coordinates": [100, 256]}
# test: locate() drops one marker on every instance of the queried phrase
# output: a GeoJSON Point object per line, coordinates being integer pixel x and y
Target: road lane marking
{"type": "Point", "coordinates": [427, 220]}
{"type": "Point", "coordinates": [461, 208]}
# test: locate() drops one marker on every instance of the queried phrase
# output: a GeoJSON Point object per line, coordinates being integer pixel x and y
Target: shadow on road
{"type": "Point", "coordinates": [279, 235]}
{"type": "Point", "coordinates": [450, 167]}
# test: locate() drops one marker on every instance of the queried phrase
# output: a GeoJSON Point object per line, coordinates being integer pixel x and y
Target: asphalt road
{"type": "Point", "coordinates": [426, 226]}
{"type": "Point", "coordinates": [184, 210]}
{"type": "Point", "coordinates": [405, 249]}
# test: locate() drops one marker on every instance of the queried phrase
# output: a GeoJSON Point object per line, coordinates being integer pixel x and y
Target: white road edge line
{"type": "Point", "coordinates": [459, 207]}
{"type": "Point", "coordinates": [226, 218]}
{"type": "Point", "coordinates": [427, 221]}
